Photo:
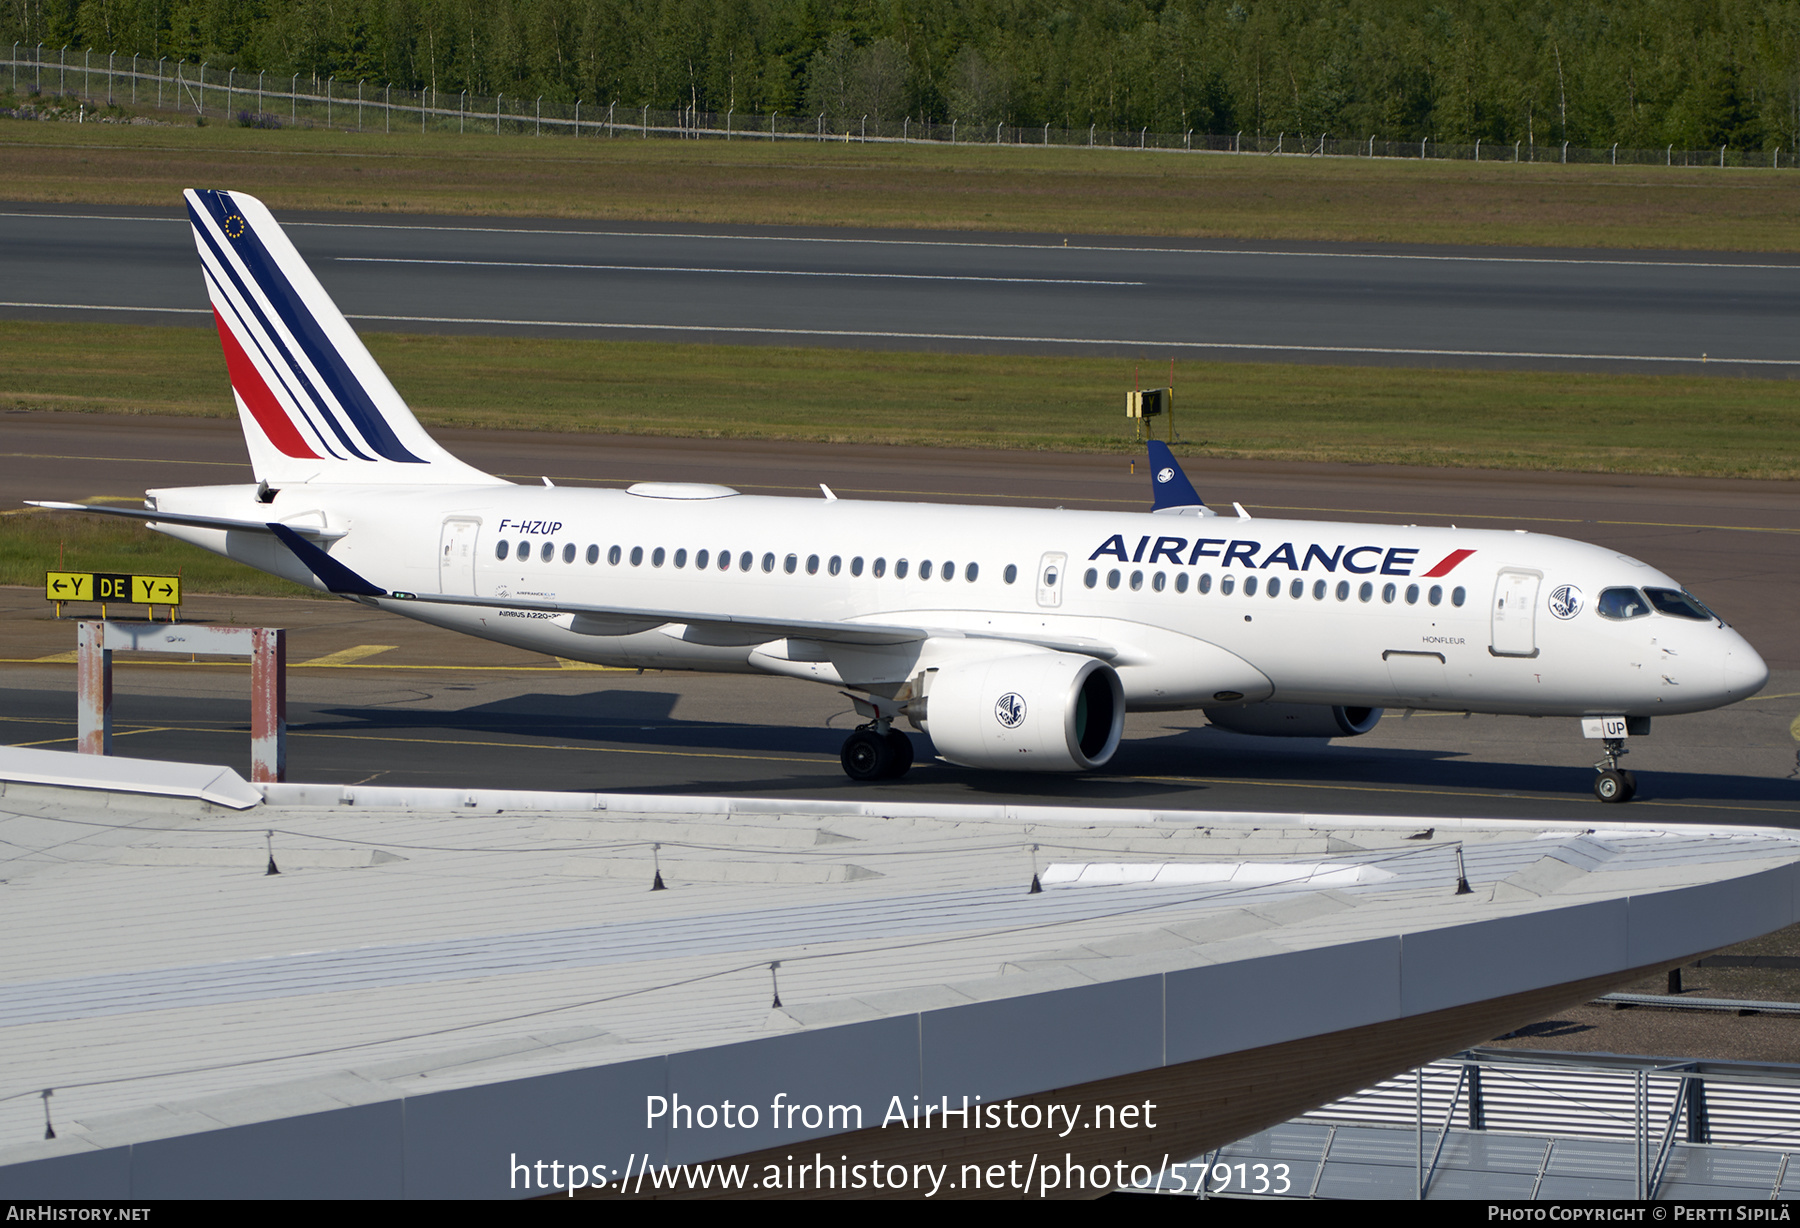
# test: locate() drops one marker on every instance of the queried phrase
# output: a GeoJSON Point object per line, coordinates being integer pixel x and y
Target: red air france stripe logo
{"type": "Point", "coordinates": [1448, 565]}
{"type": "Point", "coordinates": [248, 383]}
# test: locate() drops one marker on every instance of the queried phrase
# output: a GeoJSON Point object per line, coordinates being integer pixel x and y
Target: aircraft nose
{"type": "Point", "coordinates": [1744, 672]}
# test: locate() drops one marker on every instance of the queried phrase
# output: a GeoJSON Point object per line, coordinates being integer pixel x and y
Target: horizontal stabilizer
{"type": "Point", "coordinates": [151, 516]}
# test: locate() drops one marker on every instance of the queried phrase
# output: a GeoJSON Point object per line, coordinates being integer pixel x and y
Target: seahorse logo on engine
{"type": "Point", "coordinates": [1009, 710]}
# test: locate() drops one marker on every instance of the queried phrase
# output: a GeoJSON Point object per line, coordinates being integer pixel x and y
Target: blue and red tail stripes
{"type": "Point", "coordinates": [316, 405]}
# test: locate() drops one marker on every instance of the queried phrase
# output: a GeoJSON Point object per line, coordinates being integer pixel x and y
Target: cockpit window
{"type": "Point", "coordinates": [1678, 603]}
{"type": "Point", "coordinates": [1622, 603]}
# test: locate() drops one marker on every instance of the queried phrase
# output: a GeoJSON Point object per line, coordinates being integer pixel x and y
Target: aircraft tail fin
{"type": "Point", "coordinates": [1169, 486]}
{"type": "Point", "coordinates": [314, 405]}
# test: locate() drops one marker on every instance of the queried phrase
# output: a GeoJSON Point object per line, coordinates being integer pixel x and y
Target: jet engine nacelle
{"type": "Point", "coordinates": [1296, 720]}
{"type": "Point", "coordinates": [1034, 711]}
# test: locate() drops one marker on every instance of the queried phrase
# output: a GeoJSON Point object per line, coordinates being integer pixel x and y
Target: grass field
{"type": "Point", "coordinates": [1012, 188]}
{"type": "Point", "coordinates": [1667, 424]}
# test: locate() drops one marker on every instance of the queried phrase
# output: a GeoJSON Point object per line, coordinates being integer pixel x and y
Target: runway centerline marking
{"type": "Point", "coordinates": [977, 244]}
{"type": "Point", "coordinates": [670, 268]}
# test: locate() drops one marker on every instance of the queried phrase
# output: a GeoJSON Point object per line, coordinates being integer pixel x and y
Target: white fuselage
{"type": "Point", "coordinates": [1191, 611]}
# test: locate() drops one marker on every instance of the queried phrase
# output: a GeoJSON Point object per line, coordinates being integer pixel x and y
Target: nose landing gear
{"type": "Point", "coordinates": [1614, 784]}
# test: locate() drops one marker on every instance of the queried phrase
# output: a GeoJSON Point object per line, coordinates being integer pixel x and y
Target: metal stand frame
{"type": "Point", "coordinates": [265, 646]}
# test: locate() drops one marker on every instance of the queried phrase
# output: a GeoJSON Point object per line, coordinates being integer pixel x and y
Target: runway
{"type": "Point", "coordinates": [1468, 307]}
{"type": "Point", "coordinates": [429, 706]}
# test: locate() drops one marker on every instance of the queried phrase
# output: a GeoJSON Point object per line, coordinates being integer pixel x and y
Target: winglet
{"type": "Point", "coordinates": [1169, 486]}
{"type": "Point", "coordinates": [332, 574]}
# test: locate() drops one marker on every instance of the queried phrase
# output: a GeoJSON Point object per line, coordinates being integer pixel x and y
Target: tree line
{"type": "Point", "coordinates": [1643, 73]}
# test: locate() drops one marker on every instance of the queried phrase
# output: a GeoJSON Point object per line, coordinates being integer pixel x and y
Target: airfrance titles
{"type": "Point", "coordinates": [1359, 560]}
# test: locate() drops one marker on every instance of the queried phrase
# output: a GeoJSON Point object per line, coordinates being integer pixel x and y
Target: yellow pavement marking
{"type": "Point", "coordinates": [348, 656]}
{"type": "Point", "coordinates": [57, 658]}
{"type": "Point", "coordinates": [1794, 728]}
{"type": "Point", "coordinates": [565, 663]}
{"type": "Point", "coordinates": [151, 459]}
{"type": "Point", "coordinates": [226, 663]}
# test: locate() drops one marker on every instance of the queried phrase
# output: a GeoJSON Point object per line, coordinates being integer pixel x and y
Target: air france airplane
{"type": "Point", "coordinates": [1015, 638]}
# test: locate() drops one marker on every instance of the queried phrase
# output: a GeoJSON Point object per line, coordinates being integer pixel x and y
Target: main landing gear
{"type": "Point", "coordinates": [1614, 784]}
{"type": "Point", "coordinates": [870, 754]}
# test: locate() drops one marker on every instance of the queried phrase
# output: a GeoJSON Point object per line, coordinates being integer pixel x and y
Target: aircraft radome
{"type": "Point", "coordinates": [1016, 638]}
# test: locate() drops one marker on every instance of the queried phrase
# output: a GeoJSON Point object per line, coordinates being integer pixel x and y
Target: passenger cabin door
{"type": "Point", "coordinates": [1515, 613]}
{"type": "Point", "coordinates": [456, 557]}
{"type": "Point", "coordinates": [1050, 579]}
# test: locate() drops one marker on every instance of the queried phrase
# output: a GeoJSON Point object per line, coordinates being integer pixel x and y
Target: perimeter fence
{"type": "Point", "coordinates": [65, 82]}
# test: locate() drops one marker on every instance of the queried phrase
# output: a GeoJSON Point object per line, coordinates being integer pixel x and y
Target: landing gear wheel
{"type": "Point", "coordinates": [901, 747]}
{"type": "Point", "coordinates": [1613, 785]}
{"type": "Point", "coordinates": [866, 756]}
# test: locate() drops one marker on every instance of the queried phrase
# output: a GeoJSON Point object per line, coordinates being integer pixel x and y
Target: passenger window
{"type": "Point", "coordinates": [1343, 590]}
{"type": "Point", "coordinates": [657, 556]}
{"type": "Point", "coordinates": [1318, 590]}
{"type": "Point", "coordinates": [971, 571]}
{"type": "Point", "coordinates": [1137, 581]}
{"type": "Point", "coordinates": [791, 564]}
{"type": "Point", "coordinates": [1622, 603]}
{"type": "Point", "coordinates": [899, 569]}
{"type": "Point", "coordinates": [1205, 583]}
{"type": "Point", "coordinates": [701, 559]}
{"type": "Point", "coordinates": [593, 555]}
{"type": "Point", "coordinates": [1296, 589]}
{"type": "Point", "coordinates": [949, 571]}
{"type": "Point", "coordinates": [502, 550]}
{"type": "Point", "coordinates": [1457, 595]}
{"type": "Point", "coordinates": [1226, 584]}
{"type": "Point", "coordinates": [637, 556]}
{"type": "Point", "coordinates": [768, 562]}
{"type": "Point", "coordinates": [1112, 578]}
{"type": "Point", "coordinates": [1274, 588]}
{"type": "Point", "coordinates": [1159, 581]}
{"type": "Point", "coordinates": [1091, 578]}
{"type": "Point", "coordinates": [1412, 594]}
{"type": "Point", "coordinates": [1436, 595]}
{"type": "Point", "coordinates": [812, 564]}
{"type": "Point", "coordinates": [681, 558]}
{"type": "Point", "coordinates": [1181, 582]}
{"type": "Point", "coordinates": [1366, 591]}
{"type": "Point", "coordinates": [1388, 593]}
{"type": "Point", "coordinates": [1011, 574]}
{"type": "Point", "coordinates": [547, 553]}
{"type": "Point", "coordinates": [524, 551]}
{"type": "Point", "coordinates": [1249, 586]}
{"type": "Point", "coordinates": [880, 568]}
{"type": "Point", "coordinates": [569, 553]}
{"type": "Point", "coordinates": [925, 570]}
{"type": "Point", "coordinates": [612, 556]}
{"type": "Point", "coordinates": [856, 566]}
{"type": "Point", "coordinates": [836, 565]}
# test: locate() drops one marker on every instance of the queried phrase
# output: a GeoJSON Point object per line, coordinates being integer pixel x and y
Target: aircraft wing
{"type": "Point", "coordinates": [735, 630]}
